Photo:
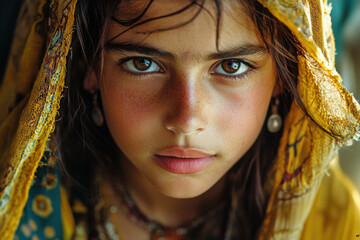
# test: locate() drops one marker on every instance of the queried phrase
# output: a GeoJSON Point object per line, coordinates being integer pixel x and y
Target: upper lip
{"type": "Point", "coordinates": [184, 152]}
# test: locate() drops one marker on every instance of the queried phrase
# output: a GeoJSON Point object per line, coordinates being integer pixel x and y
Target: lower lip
{"type": "Point", "coordinates": [183, 165]}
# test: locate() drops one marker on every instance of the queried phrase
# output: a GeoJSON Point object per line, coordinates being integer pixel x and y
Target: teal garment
{"type": "Point", "coordinates": [340, 13]}
{"type": "Point", "coordinates": [41, 219]}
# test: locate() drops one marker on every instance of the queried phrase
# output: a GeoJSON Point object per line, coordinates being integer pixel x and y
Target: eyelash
{"type": "Point", "coordinates": [235, 78]}
{"type": "Point", "coordinates": [121, 63]}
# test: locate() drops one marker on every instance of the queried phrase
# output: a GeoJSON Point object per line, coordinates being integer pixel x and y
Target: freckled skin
{"type": "Point", "coordinates": [185, 105]}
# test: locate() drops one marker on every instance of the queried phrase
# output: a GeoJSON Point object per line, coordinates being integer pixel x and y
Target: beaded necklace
{"type": "Point", "coordinates": [156, 230]}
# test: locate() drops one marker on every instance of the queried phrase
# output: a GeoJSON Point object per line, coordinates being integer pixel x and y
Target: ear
{"type": "Point", "coordinates": [277, 89]}
{"type": "Point", "coordinates": [91, 81]}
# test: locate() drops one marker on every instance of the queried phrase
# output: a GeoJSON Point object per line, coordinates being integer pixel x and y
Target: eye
{"type": "Point", "coordinates": [141, 65]}
{"type": "Point", "coordinates": [231, 67]}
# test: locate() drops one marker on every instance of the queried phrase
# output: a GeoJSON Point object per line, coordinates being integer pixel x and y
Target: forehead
{"type": "Point", "coordinates": [181, 20]}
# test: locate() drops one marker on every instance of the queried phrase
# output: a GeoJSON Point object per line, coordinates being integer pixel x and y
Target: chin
{"type": "Point", "coordinates": [184, 188]}
{"type": "Point", "coordinates": [183, 194]}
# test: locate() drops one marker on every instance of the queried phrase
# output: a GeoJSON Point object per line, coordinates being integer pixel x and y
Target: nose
{"type": "Point", "coordinates": [187, 107]}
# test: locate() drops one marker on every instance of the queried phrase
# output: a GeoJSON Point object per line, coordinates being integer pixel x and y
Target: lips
{"type": "Point", "coordinates": [183, 160]}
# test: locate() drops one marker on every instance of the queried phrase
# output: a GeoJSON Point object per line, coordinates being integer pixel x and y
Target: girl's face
{"type": "Point", "coordinates": [181, 110]}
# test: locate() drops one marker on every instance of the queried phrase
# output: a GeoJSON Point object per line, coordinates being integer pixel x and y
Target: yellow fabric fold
{"type": "Point", "coordinates": [336, 210]}
{"type": "Point", "coordinates": [305, 150]}
{"type": "Point", "coordinates": [41, 82]}
{"type": "Point", "coordinates": [67, 216]}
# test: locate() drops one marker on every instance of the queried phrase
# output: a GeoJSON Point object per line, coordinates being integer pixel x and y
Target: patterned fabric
{"type": "Point", "coordinates": [41, 217]}
{"type": "Point", "coordinates": [33, 83]}
{"type": "Point", "coordinates": [30, 95]}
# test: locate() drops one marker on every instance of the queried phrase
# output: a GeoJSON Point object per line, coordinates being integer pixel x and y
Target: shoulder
{"type": "Point", "coordinates": [336, 210]}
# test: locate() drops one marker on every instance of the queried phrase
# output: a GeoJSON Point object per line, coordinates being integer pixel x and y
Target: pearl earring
{"type": "Point", "coordinates": [274, 122]}
{"type": "Point", "coordinates": [96, 113]}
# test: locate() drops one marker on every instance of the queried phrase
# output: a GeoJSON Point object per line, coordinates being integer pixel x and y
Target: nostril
{"type": "Point", "coordinates": [192, 132]}
{"type": "Point", "coordinates": [180, 131]}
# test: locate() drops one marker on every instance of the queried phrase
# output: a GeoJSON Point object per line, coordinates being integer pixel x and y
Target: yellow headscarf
{"type": "Point", "coordinates": [34, 80]}
{"type": "Point", "coordinates": [305, 151]}
{"type": "Point", "coordinates": [29, 100]}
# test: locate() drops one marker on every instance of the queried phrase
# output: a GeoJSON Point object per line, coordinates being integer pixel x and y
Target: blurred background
{"type": "Point", "coordinates": [346, 25]}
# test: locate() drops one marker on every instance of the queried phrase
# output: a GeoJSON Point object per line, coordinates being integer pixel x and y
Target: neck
{"type": "Point", "coordinates": [169, 211]}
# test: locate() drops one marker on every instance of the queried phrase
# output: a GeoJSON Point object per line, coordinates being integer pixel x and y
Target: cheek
{"type": "Point", "coordinates": [243, 112]}
{"type": "Point", "coordinates": [127, 110]}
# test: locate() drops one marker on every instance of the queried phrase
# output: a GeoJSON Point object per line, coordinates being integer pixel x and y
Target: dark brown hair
{"type": "Point", "coordinates": [82, 146]}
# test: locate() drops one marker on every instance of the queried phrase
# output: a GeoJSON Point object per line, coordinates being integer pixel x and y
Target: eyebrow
{"type": "Point", "coordinates": [138, 48]}
{"type": "Point", "coordinates": [242, 50]}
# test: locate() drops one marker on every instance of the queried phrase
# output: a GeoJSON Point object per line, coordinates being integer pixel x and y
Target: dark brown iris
{"type": "Point", "coordinates": [142, 64]}
{"type": "Point", "coordinates": [231, 66]}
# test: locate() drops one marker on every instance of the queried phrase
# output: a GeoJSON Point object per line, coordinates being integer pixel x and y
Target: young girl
{"type": "Point", "coordinates": [156, 119]}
